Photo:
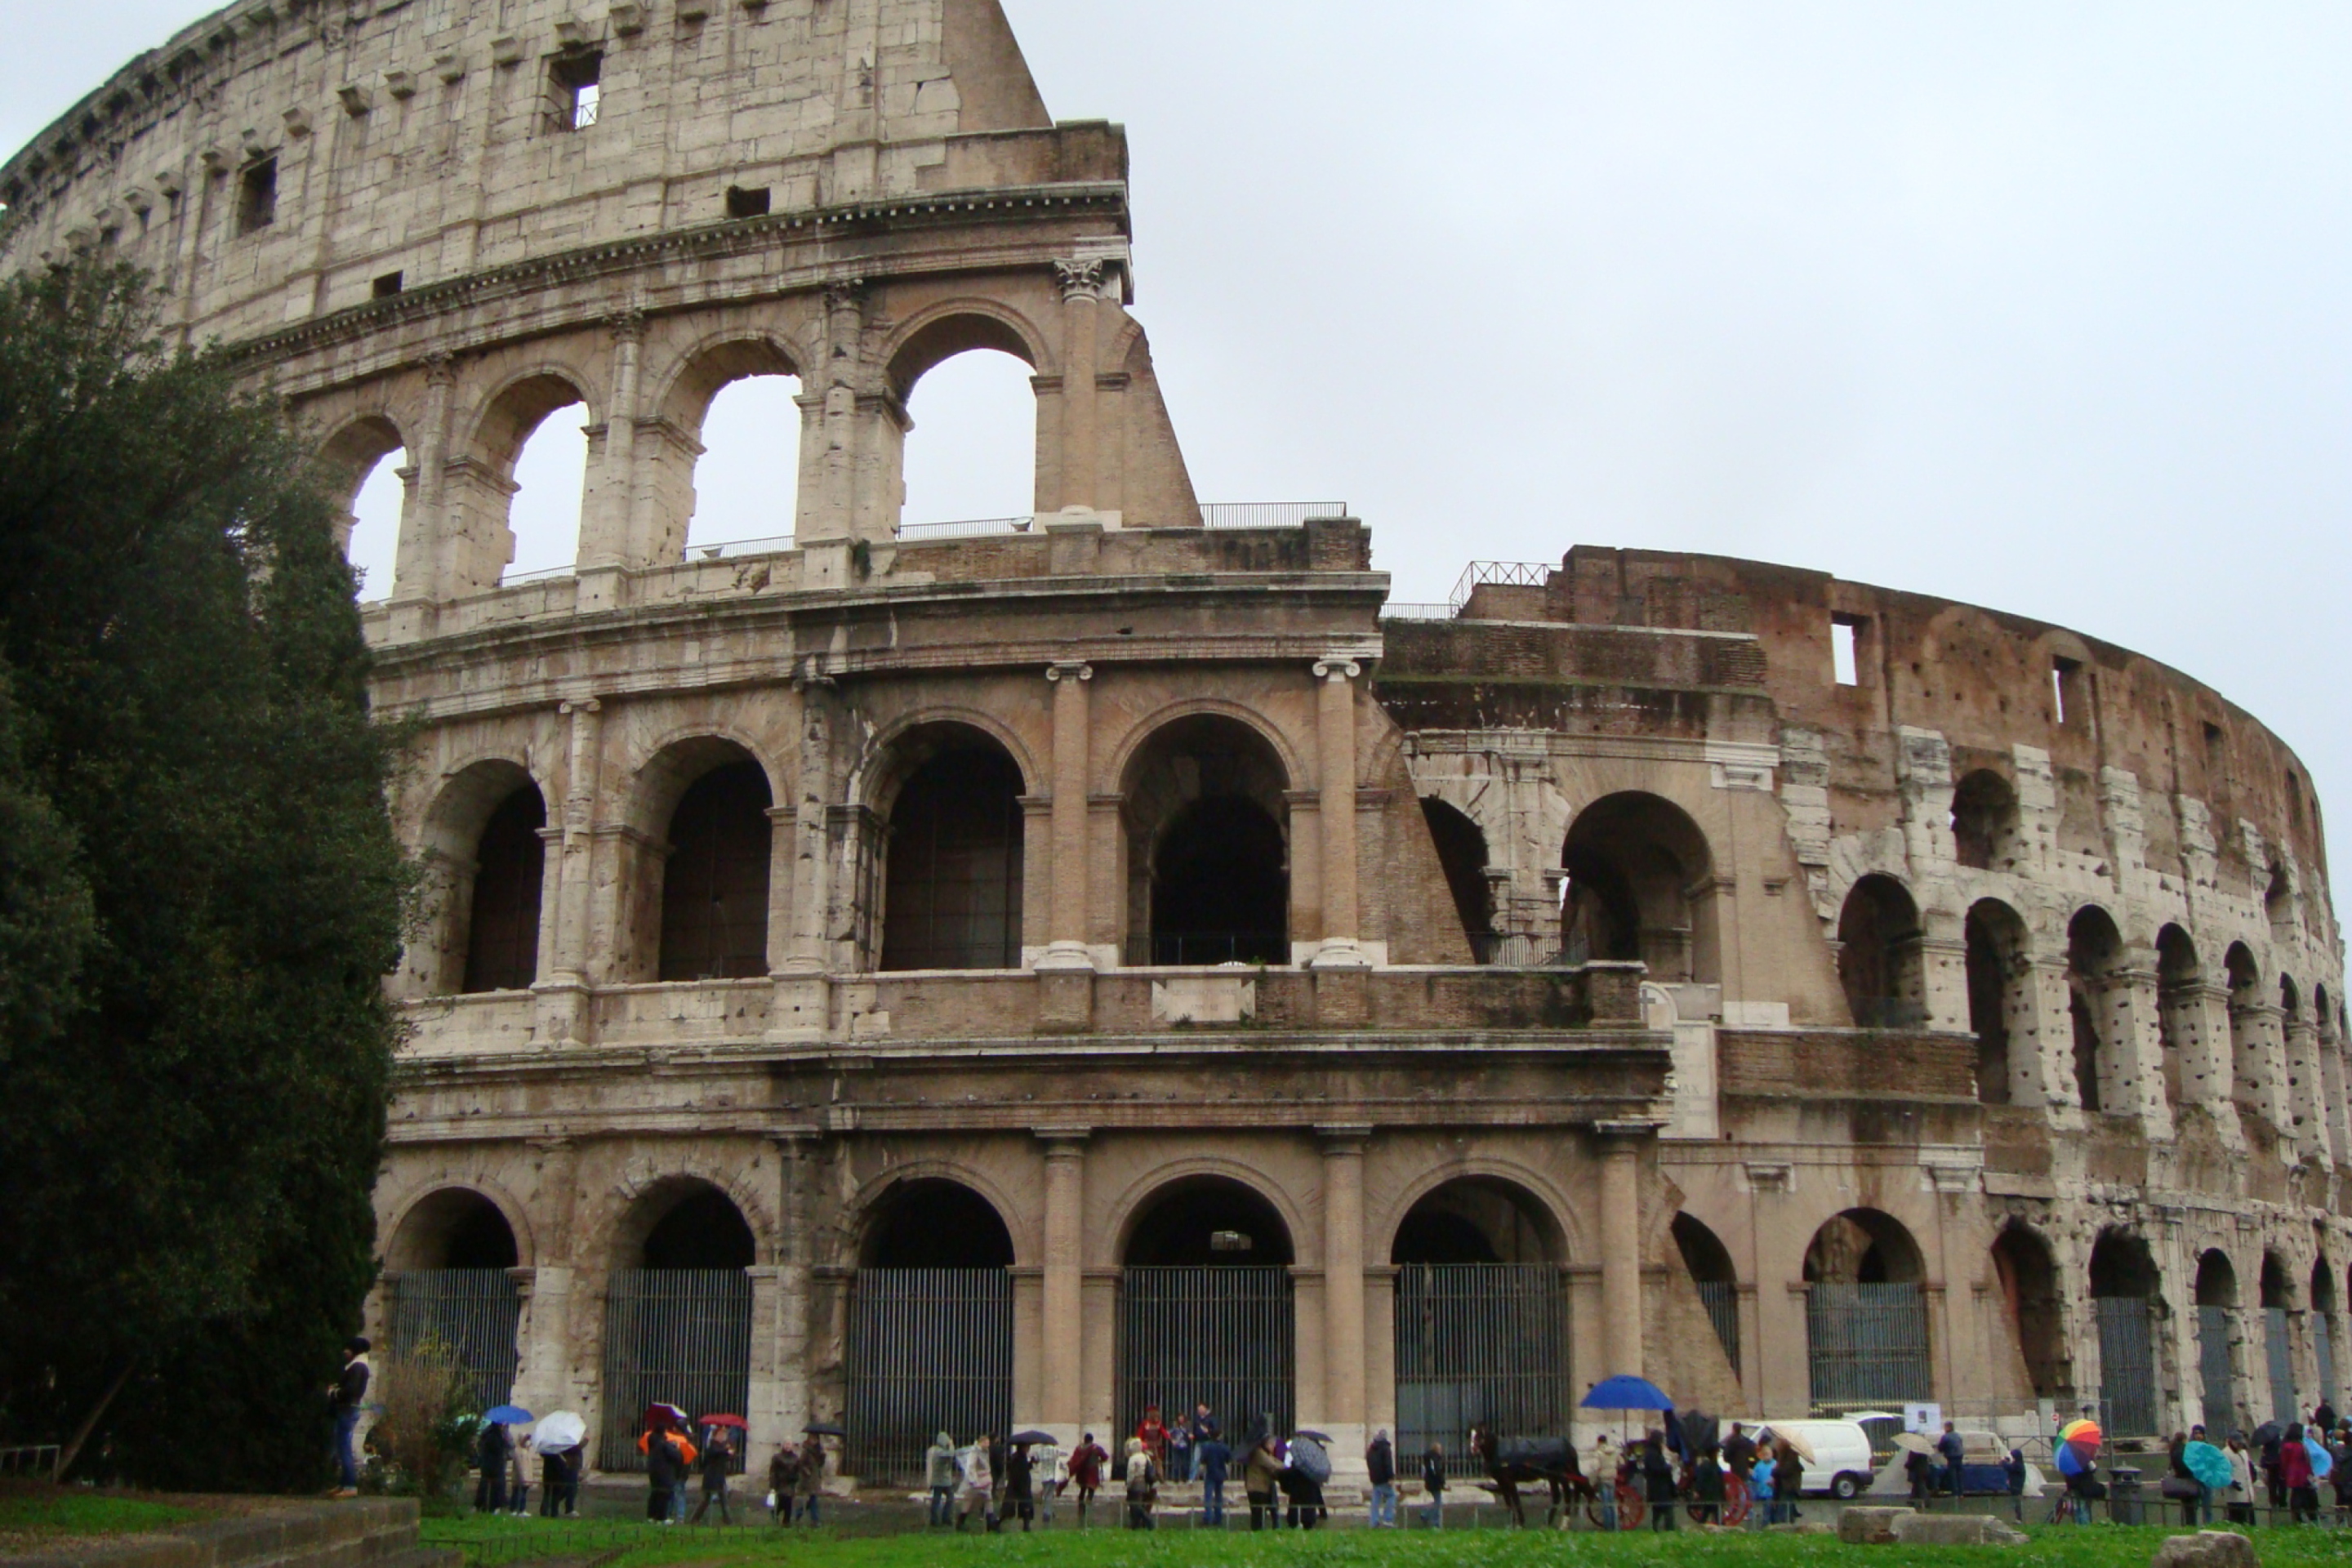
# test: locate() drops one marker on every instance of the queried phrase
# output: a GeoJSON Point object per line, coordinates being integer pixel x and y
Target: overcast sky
{"type": "Point", "coordinates": [2044, 306]}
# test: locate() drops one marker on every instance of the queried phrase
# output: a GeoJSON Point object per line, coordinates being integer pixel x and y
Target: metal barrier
{"type": "Point", "coordinates": [681, 1335]}
{"type": "Point", "coordinates": [1477, 1341]}
{"type": "Point", "coordinates": [1225, 1336]}
{"type": "Point", "coordinates": [2279, 1350]}
{"type": "Point", "coordinates": [1269, 513]}
{"type": "Point", "coordinates": [1721, 1298]}
{"type": "Point", "coordinates": [1403, 610]}
{"type": "Point", "coordinates": [1867, 1345]}
{"type": "Point", "coordinates": [2128, 1363]}
{"type": "Point", "coordinates": [471, 1314]}
{"type": "Point", "coordinates": [930, 1350]}
{"type": "Point", "coordinates": [773, 545]}
{"type": "Point", "coordinates": [30, 1460]}
{"type": "Point", "coordinates": [1176, 948]}
{"type": "Point", "coordinates": [966, 528]}
{"type": "Point", "coordinates": [2218, 1386]}
{"type": "Point", "coordinates": [1503, 574]}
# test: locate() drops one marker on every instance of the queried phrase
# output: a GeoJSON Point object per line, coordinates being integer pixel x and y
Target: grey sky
{"type": "Point", "coordinates": [2041, 306]}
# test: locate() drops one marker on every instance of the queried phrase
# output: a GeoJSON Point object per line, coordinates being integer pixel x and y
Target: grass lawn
{"type": "Point", "coordinates": [503, 1541]}
{"type": "Point", "coordinates": [31, 1518]}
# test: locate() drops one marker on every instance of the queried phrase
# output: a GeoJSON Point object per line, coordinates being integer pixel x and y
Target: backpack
{"type": "Point", "coordinates": [1143, 1486]}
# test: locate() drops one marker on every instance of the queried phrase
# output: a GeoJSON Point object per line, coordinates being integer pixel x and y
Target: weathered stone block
{"type": "Point", "coordinates": [1956, 1530]}
{"type": "Point", "coordinates": [1870, 1526]}
{"type": "Point", "coordinates": [2208, 1548]}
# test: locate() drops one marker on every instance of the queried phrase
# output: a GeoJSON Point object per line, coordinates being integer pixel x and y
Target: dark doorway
{"type": "Point", "coordinates": [1878, 955]}
{"type": "Point", "coordinates": [1462, 852]}
{"type": "Point", "coordinates": [1984, 822]}
{"type": "Point", "coordinates": [715, 887]}
{"type": "Point", "coordinates": [502, 938]}
{"type": "Point", "coordinates": [2124, 1300]}
{"type": "Point", "coordinates": [677, 1325]}
{"type": "Point", "coordinates": [450, 1292]}
{"type": "Point", "coordinates": [930, 1328]}
{"type": "Point", "coordinates": [1479, 1319]}
{"type": "Point", "coordinates": [2028, 1287]}
{"type": "Point", "coordinates": [935, 1223]}
{"type": "Point", "coordinates": [1219, 893]}
{"type": "Point", "coordinates": [1205, 1308]}
{"type": "Point", "coordinates": [1711, 1271]}
{"type": "Point", "coordinates": [1997, 974]}
{"type": "Point", "coordinates": [1640, 888]}
{"type": "Point", "coordinates": [953, 898]}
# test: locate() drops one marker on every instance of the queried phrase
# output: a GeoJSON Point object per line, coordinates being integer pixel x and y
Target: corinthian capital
{"type": "Point", "coordinates": [1084, 277]}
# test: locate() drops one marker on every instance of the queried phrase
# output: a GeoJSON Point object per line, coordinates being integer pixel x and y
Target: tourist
{"type": "Point", "coordinates": [1788, 1481]}
{"type": "Point", "coordinates": [1916, 1468]}
{"type": "Point", "coordinates": [1154, 1435]}
{"type": "Point", "coordinates": [1954, 1455]}
{"type": "Point", "coordinates": [808, 1483]}
{"type": "Point", "coordinates": [1760, 1492]}
{"type": "Point", "coordinates": [939, 1474]}
{"type": "Point", "coordinates": [347, 1399]}
{"type": "Point", "coordinates": [1179, 1450]}
{"type": "Point", "coordinates": [718, 1453]}
{"type": "Point", "coordinates": [2241, 1509]}
{"type": "Point", "coordinates": [1606, 1460]}
{"type": "Point", "coordinates": [1707, 1488]}
{"type": "Point", "coordinates": [2339, 1473]}
{"type": "Point", "coordinates": [1301, 1491]}
{"type": "Point", "coordinates": [784, 1478]}
{"type": "Point", "coordinates": [1433, 1482]}
{"type": "Point", "coordinates": [1379, 1465]}
{"type": "Point", "coordinates": [979, 1493]}
{"type": "Point", "coordinates": [1086, 1471]}
{"type": "Point", "coordinates": [1258, 1473]}
{"type": "Point", "coordinates": [559, 1482]}
{"type": "Point", "coordinates": [2295, 1473]}
{"type": "Point", "coordinates": [1142, 1483]}
{"type": "Point", "coordinates": [1020, 1499]}
{"type": "Point", "coordinates": [664, 1472]}
{"type": "Point", "coordinates": [1658, 1481]}
{"type": "Point", "coordinates": [1739, 1453]}
{"type": "Point", "coordinates": [493, 1452]}
{"type": "Point", "coordinates": [1211, 1455]}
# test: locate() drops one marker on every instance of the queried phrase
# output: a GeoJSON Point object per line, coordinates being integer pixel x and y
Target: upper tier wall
{"type": "Point", "coordinates": [430, 139]}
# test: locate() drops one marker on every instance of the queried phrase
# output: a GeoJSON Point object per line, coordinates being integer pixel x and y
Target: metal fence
{"type": "Point", "coordinates": [2279, 1349]}
{"type": "Point", "coordinates": [1867, 1345]}
{"type": "Point", "coordinates": [1477, 1342]}
{"type": "Point", "coordinates": [1721, 1298]}
{"type": "Point", "coordinates": [1504, 573]}
{"type": "Point", "coordinates": [966, 528]}
{"type": "Point", "coordinates": [1178, 949]}
{"type": "Point", "coordinates": [2128, 1363]}
{"type": "Point", "coordinates": [1224, 1336]}
{"type": "Point", "coordinates": [930, 1350]}
{"type": "Point", "coordinates": [469, 1314]}
{"type": "Point", "coordinates": [679, 1335]}
{"type": "Point", "coordinates": [2322, 1345]}
{"type": "Point", "coordinates": [2217, 1386]}
{"type": "Point", "coordinates": [1269, 513]}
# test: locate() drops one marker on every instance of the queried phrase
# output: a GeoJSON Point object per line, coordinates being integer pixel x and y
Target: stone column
{"type": "Point", "coordinates": [2305, 1096]}
{"type": "Point", "coordinates": [414, 584]}
{"type": "Point", "coordinates": [1066, 927]}
{"type": "Point", "coordinates": [2133, 1006]}
{"type": "Point", "coordinates": [1620, 1145]}
{"type": "Point", "coordinates": [1063, 1332]}
{"type": "Point", "coordinates": [605, 541]}
{"type": "Point", "coordinates": [827, 498]}
{"type": "Point", "coordinates": [1082, 289]}
{"type": "Point", "coordinates": [791, 1291]}
{"type": "Point", "coordinates": [801, 1006]}
{"type": "Point", "coordinates": [563, 1008]}
{"type": "Point", "coordinates": [543, 1347]}
{"type": "Point", "coordinates": [1343, 1289]}
{"type": "Point", "coordinates": [2053, 1044]}
{"type": "Point", "coordinates": [1335, 745]}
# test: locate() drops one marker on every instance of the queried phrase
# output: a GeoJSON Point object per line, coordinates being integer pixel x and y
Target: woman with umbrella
{"type": "Point", "coordinates": [2209, 1469]}
{"type": "Point", "coordinates": [718, 1459]}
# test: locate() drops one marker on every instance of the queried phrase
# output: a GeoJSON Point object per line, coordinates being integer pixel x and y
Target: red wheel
{"type": "Point", "coordinates": [1737, 1499]}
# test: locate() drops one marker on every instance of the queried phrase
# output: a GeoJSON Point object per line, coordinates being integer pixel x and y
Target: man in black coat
{"type": "Point", "coordinates": [1379, 1465]}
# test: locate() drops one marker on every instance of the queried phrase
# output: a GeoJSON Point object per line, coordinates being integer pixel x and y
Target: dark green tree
{"type": "Point", "coordinates": [200, 894]}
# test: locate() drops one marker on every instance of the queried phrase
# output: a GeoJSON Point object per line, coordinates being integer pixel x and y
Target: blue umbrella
{"type": "Point", "coordinates": [2321, 1462]}
{"type": "Point", "coordinates": [1626, 1394]}
{"type": "Point", "coordinates": [509, 1415]}
{"type": "Point", "coordinates": [2207, 1463]}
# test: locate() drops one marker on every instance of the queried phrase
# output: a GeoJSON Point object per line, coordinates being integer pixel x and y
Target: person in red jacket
{"type": "Point", "coordinates": [2294, 1472]}
{"type": "Point", "coordinates": [1154, 1432]}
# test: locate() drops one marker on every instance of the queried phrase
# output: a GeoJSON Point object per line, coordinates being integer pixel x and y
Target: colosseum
{"type": "Point", "coordinates": [1020, 972]}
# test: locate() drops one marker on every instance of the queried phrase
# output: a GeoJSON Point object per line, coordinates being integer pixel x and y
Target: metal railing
{"type": "Point", "coordinates": [1269, 513]}
{"type": "Point", "coordinates": [469, 1314]}
{"type": "Point", "coordinates": [771, 545]}
{"type": "Point", "coordinates": [682, 1335]}
{"type": "Point", "coordinates": [2128, 1363]}
{"type": "Point", "coordinates": [1477, 1342]}
{"type": "Point", "coordinates": [1866, 1344]}
{"type": "Point", "coordinates": [966, 528]}
{"type": "Point", "coordinates": [2279, 1349]}
{"type": "Point", "coordinates": [544, 574]}
{"type": "Point", "coordinates": [30, 1460]}
{"type": "Point", "coordinates": [1721, 1299]}
{"type": "Point", "coordinates": [1503, 574]}
{"type": "Point", "coordinates": [1222, 1335]}
{"type": "Point", "coordinates": [1403, 610]}
{"type": "Point", "coordinates": [1176, 948]}
{"type": "Point", "coordinates": [930, 1350]}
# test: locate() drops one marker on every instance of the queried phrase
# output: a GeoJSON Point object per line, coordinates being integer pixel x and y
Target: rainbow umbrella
{"type": "Point", "coordinates": [2078, 1446]}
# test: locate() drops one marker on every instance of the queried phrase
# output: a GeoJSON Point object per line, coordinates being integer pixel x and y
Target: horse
{"type": "Point", "coordinates": [1511, 1461]}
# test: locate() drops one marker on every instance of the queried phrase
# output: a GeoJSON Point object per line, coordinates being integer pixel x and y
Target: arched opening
{"type": "Point", "coordinates": [1984, 822]}
{"type": "Point", "coordinates": [966, 385]}
{"type": "Point", "coordinates": [2278, 897]}
{"type": "Point", "coordinates": [1204, 1308]}
{"type": "Point", "coordinates": [509, 868]}
{"type": "Point", "coordinates": [2217, 1334]}
{"type": "Point", "coordinates": [535, 445]}
{"type": "Point", "coordinates": [1462, 852]}
{"type": "Point", "coordinates": [1878, 955]}
{"type": "Point", "coordinates": [363, 466]}
{"type": "Point", "coordinates": [2324, 1346]}
{"type": "Point", "coordinates": [714, 907]}
{"type": "Point", "coordinates": [1208, 864]}
{"type": "Point", "coordinates": [1865, 1314]}
{"type": "Point", "coordinates": [2278, 1338]}
{"type": "Point", "coordinates": [2248, 1068]}
{"type": "Point", "coordinates": [2125, 1298]}
{"type": "Point", "coordinates": [930, 1327]}
{"type": "Point", "coordinates": [2095, 955]}
{"type": "Point", "coordinates": [1641, 885]}
{"type": "Point", "coordinates": [1711, 1270]}
{"type": "Point", "coordinates": [450, 1292]}
{"type": "Point", "coordinates": [951, 894]}
{"type": "Point", "coordinates": [1478, 1319]}
{"type": "Point", "coordinates": [741, 401]}
{"type": "Point", "coordinates": [2180, 1009]}
{"type": "Point", "coordinates": [2028, 1274]}
{"type": "Point", "coordinates": [678, 1312]}
{"type": "Point", "coordinates": [1999, 996]}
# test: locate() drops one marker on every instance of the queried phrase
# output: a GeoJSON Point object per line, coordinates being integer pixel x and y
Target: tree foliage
{"type": "Point", "coordinates": [199, 895]}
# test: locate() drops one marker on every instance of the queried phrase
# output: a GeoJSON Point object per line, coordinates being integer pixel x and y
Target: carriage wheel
{"type": "Point", "coordinates": [1629, 1508]}
{"type": "Point", "coordinates": [1736, 1501]}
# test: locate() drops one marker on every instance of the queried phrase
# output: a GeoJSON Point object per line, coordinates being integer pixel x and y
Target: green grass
{"type": "Point", "coordinates": [504, 1541]}
{"type": "Point", "coordinates": [73, 1512]}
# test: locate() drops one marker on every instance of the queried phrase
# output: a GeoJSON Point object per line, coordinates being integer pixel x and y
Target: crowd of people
{"type": "Point", "coordinates": [2283, 1465]}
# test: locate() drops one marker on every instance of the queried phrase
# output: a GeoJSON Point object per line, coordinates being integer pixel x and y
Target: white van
{"type": "Point", "coordinates": [1841, 1464]}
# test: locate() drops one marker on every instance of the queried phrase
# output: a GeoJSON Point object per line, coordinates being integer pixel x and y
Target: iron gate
{"type": "Point", "coordinates": [1721, 1299]}
{"type": "Point", "coordinates": [2128, 1363]}
{"type": "Point", "coordinates": [2218, 1387]}
{"type": "Point", "coordinates": [1477, 1342]}
{"type": "Point", "coordinates": [930, 1350]}
{"type": "Point", "coordinates": [2322, 1342]}
{"type": "Point", "coordinates": [468, 1314]}
{"type": "Point", "coordinates": [1221, 1336]}
{"type": "Point", "coordinates": [679, 1335]}
{"type": "Point", "coordinates": [2279, 1350]}
{"type": "Point", "coordinates": [1868, 1345]}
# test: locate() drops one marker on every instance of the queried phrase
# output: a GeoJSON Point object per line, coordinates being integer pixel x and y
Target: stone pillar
{"type": "Point", "coordinates": [1343, 1290]}
{"type": "Point", "coordinates": [604, 543]}
{"type": "Point", "coordinates": [828, 485]}
{"type": "Point", "coordinates": [2305, 1096]}
{"type": "Point", "coordinates": [1334, 746]}
{"type": "Point", "coordinates": [1620, 1145]}
{"type": "Point", "coordinates": [1067, 921]}
{"type": "Point", "coordinates": [414, 584]}
{"type": "Point", "coordinates": [790, 1404]}
{"type": "Point", "coordinates": [1944, 976]}
{"type": "Point", "coordinates": [563, 1008]}
{"type": "Point", "coordinates": [801, 1006]}
{"type": "Point", "coordinates": [1082, 289]}
{"type": "Point", "coordinates": [2053, 1043]}
{"type": "Point", "coordinates": [543, 1341]}
{"type": "Point", "coordinates": [1063, 1332]}
{"type": "Point", "coordinates": [2132, 1001]}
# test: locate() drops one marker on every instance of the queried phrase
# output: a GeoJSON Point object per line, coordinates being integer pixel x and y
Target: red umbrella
{"type": "Point", "coordinates": [735, 1421]}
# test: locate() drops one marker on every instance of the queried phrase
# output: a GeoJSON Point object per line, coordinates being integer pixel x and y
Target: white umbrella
{"type": "Point", "coordinates": [557, 1432]}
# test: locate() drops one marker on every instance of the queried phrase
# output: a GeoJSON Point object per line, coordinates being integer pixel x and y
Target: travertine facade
{"type": "Point", "coordinates": [1121, 891]}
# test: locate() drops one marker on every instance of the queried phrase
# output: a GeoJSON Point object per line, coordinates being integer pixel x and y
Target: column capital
{"type": "Point", "coordinates": [1337, 668]}
{"type": "Point", "coordinates": [1343, 1138]}
{"type": "Point", "coordinates": [1076, 669]}
{"type": "Point", "coordinates": [1063, 1141]}
{"type": "Point", "coordinates": [440, 368]}
{"type": "Point", "coordinates": [580, 705]}
{"type": "Point", "coordinates": [626, 325]}
{"type": "Point", "coordinates": [1084, 278]}
{"type": "Point", "coordinates": [1619, 1136]}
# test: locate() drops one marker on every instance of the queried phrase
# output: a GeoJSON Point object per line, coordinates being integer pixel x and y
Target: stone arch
{"type": "Point", "coordinates": [348, 456]}
{"type": "Point", "coordinates": [1879, 962]}
{"type": "Point", "coordinates": [695, 372]}
{"type": "Point", "coordinates": [2278, 1283]}
{"type": "Point", "coordinates": [511, 408]}
{"type": "Point", "coordinates": [672, 760]}
{"type": "Point", "coordinates": [953, 838]}
{"type": "Point", "coordinates": [473, 800]}
{"type": "Point", "coordinates": [706, 892]}
{"type": "Point", "coordinates": [1019, 1222]}
{"type": "Point", "coordinates": [2025, 1268]}
{"type": "Point", "coordinates": [686, 1200]}
{"type": "Point", "coordinates": [676, 472]}
{"type": "Point", "coordinates": [2127, 1305]}
{"type": "Point", "coordinates": [1999, 969]}
{"type": "Point", "coordinates": [1640, 886]}
{"type": "Point", "coordinates": [2180, 1006]}
{"type": "Point", "coordinates": [2278, 897]}
{"type": "Point", "coordinates": [1204, 802]}
{"type": "Point", "coordinates": [2094, 965]}
{"type": "Point", "coordinates": [894, 752]}
{"type": "Point", "coordinates": [2217, 1278]}
{"type": "Point", "coordinates": [1865, 1310]}
{"type": "Point", "coordinates": [1865, 1247]}
{"type": "Point", "coordinates": [459, 1224]}
{"type": "Point", "coordinates": [934, 1222]}
{"type": "Point", "coordinates": [481, 490]}
{"type": "Point", "coordinates": [958, 326]}
{"type": "Point", "coordinates": [1114, 773]}
{"type": "Point", "coordinates": [1135, 1202]}
{"type": "Point", "coordinates": [1478, 1219]}
{"type": "Point", "coordinates": [1985, 833]}
{"type": "Point", "coordinates": [1567, 1221]}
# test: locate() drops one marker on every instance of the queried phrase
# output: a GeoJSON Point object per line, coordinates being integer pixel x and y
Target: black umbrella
{"type": "Point", "coordinates": [1312, 1436]}
{"type": "Point", "coordinates": [826, 1429]}
{"type": "Point", "coordinates": [1027, 1438]}
{"type": "Point", "coordinates": [2268, 1432]}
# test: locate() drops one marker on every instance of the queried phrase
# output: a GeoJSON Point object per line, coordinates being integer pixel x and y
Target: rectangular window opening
{"type": "Point", "coordinates": [2066, 690]}
{"type": "Point", "coordinates": [1845, 641]}
{"type": "Point", "coordinates": [387, 286]}
{"type": "Point", "coordinates": [257, 196]}
{"type": "Point", "coordinates": [746, 203]}
{"type": "Point", "coordinates": [574, 83]}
